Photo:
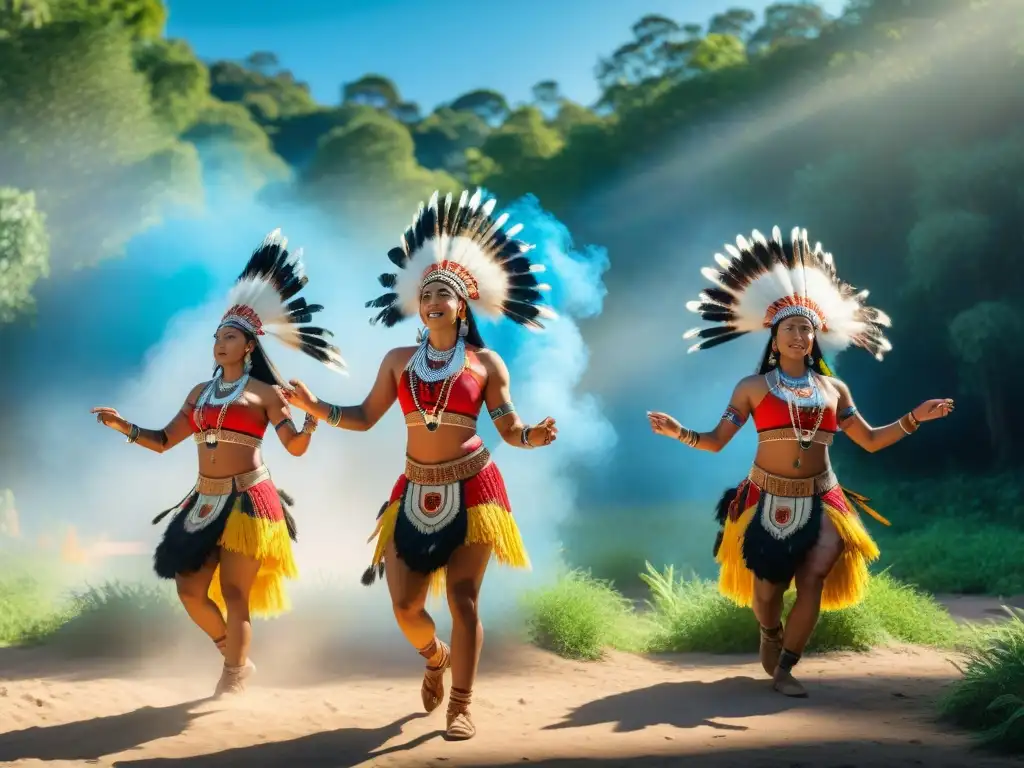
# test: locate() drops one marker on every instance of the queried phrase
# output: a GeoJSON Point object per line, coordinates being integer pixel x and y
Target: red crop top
{"type": "Point", "coordinates": [773, 413]}
{"type": "Point", "coordinates": [466, 397]}
{"type": "Point", "coordinates": [239, 418]}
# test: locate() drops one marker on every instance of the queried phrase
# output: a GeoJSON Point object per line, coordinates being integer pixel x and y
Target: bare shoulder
{"type": "Point", "coordinates": [265, 393]}
{"type": "Point", "coordinates": [838, 386]}
{"type": "Point", "coordinates": [754, 385]}
{"type": "Point", "coordinates": [489, 359]}
{"type": "Point", "coordinates": [398, 356]}
{"type": "Point", "coordinates": [193, 394]}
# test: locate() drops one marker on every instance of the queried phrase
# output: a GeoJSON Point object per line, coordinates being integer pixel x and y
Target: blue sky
{"type": "Point", "coordinates": [433, 51]}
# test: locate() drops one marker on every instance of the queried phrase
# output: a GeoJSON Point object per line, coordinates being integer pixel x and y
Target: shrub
{"type": "Point", "coordinates": [990, 697]}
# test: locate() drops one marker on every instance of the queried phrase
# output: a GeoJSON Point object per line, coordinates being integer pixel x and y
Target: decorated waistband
{"type": "Point", "coordinates": [221, 486]}
{"type": "Point", "coordinates": [448, 472]}
{"type": "Point", "coordinates": [415, 419]}
{"type": "Point", "coordinates": [786, 433]}
{"type": "Point", "coordinates": [792, 487]}
{"type": "Point", "coordinates": [228, 436]}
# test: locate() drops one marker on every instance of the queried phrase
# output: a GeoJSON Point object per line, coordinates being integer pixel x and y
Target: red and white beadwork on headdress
{"type": "Point", "coordinates": [765, 282]}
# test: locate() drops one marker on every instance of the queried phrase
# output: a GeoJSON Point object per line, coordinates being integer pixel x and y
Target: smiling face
{"type": "Point", "coordinates": [230, 346]}
{"type": "Point", "coordinates": [794, 338]}
{"type": "Point", "coordinates": [439, 305]}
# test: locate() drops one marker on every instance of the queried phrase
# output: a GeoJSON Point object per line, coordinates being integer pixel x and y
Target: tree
{"type": "Point", "coordinates": [407, 112]}
{"type": "Point", "coordinates": [366, 170]}
{"type": "Point", "coordinates": [489, 106]}
{"type": "Point", "coordinates": [23, 14]}
{"type": "Point", "coordinates": [234, 150]}
{"type": "Point", "coordinates": [660, 48]}
{"type": "Point", "coordinates": [179, 82]}
{"type": "Point", "coordinates": [373, 91]}
{"type": "Point", "coordinates": [77, 126]}
{"type": "Point", "coordinates": [443, 138]}
{"type": "Point", "coordinates": [143, 19]}
{"type": "Point", "coordinates": [235, 83]}
{"type": "Point", "coordinates": [24, 252]}
{"type": "Point", "coordinates": [736, 22]}
{"type": "Point", "coordinates": [547, 94]}
{"type": "Point", "coordinates": [264, 62]}
{"type": "Point", "coordinates": [718, 51]}
{"type": "Point", "coordinates": [571, 117]}
{"type": "Point", "coordinates": [787, 23]}
{"type": "Point", "coordinates": [523, 138]}
{"type": "Point", "coordinates": [986, 342]}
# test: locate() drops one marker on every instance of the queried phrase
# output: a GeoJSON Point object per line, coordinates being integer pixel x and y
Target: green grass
{"type": "Point", "coordinates": [31, 608]}
{"type": "Point", "coordinates": [580, 617]}
{"type": "Point", "coordinates": [990, 697]}
{"type": "Point", "coordinates": [961, 557]}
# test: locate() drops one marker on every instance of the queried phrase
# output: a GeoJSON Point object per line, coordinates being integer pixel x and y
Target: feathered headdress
{"type": "Point", "coordinates": [263, 302]}
{"type": "Point", "coordinates": [765, 282]}
{"type": "Point", "coordinates": [463, 246]}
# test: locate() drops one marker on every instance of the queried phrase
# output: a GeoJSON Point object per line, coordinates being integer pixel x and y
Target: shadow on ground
{"type": "Point", "coordinates": [99, 736]}
{"type": "Point", "coordinates": [341, 747]}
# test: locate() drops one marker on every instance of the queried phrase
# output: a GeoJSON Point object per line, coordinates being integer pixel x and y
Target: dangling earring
{"type": "Point", "coordinates": [421, 334]}
{"type": "Point", "coordinates": [248, 361]}
{"type": "Point", "coordinates": [810, 361]}
{"type": "Point", "coordinates": [772, 360]}
{"type": "Point", "coordinates": [463, 328]}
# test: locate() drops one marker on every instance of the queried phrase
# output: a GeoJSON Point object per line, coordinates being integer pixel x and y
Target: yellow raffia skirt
{"type": "Point", "coordinates": [772, 523]}
{"type": "Point", "coordinates": [242, 514]}
{"type": "Point", "coordinates": [436, 508]}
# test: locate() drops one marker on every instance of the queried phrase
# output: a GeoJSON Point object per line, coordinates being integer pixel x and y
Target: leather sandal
{"type": "Point", "coordinates": [432, 688]}
{"type": "Point", "coordinates": [460, 722]}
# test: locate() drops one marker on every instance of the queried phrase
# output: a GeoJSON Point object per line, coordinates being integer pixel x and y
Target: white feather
{"type": "Point", "coordinates": [722, 261]}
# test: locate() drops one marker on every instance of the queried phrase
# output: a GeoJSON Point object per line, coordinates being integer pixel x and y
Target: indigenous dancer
{"type": "Point", "coordinates": [449, 512]}
{"type": "Point", "coordinates": [228, 544]}
{"type": "Point", "coordinates": [789, 520]}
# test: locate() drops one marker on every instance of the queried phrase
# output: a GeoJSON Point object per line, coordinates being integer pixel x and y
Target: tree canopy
{"type": "Point", "coordinates": [892, 132]}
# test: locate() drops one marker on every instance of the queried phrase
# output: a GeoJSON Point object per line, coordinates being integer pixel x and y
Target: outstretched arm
{"type": "Point", "coordinates": [279, 414]}
{"type": "Point", "coordinates": [498, 398]}
{"type": "Point", "coordinates": [158, 441]}
{"type": "Point", "coordinates": [357, 418]}
{"type": "Point", "coordinates": [873, 439]}
{"type": "Point", "coordinates": [733, 419]}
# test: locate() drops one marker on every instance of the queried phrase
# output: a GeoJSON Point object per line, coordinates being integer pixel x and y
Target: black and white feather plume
{"type": "Point", "coordinates": [762, 282]}
{"type": "Point", "coordinates": [464, 245]}
{"type": "Point", "coordinates": [265, 301]}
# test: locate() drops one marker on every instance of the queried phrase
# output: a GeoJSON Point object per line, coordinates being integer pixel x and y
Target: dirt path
{"type": "Point", "coordinates": [531, 709]}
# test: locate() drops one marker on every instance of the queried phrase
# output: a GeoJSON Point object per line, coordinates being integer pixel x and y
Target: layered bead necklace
{"type": "Point", "coordinates": [450, 364]}
{"type": "Point", "coordinates": [800, 393]}
{"type": "Point", "coordinates": [217, 392]}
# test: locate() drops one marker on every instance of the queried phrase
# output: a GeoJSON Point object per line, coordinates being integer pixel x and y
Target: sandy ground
{"type": "Point", "coordinates": [530, 708]}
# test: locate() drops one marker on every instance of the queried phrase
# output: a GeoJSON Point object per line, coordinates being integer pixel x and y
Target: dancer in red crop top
{"type": "Point", "coordinates": [228, 545]}
{"type": "Point", "coordinates": [789, 521]}
{"type": "Point", "coordinates": [448, 512]}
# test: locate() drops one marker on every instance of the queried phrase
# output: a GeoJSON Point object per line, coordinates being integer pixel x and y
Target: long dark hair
{"type": "Point", "coordinates": [816, 363]}
{"type": "Point", "coordinates": [262, 369]}
{"type": "Point", "coordinates": [473, 336]}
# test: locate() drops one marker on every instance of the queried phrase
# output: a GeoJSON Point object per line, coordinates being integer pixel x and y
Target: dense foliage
{"type": "Point", "coordinates": [892, 131]}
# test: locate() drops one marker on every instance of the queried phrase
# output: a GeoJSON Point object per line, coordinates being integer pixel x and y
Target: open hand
{"type": "Point", "coordinates": [299, 395]}
{"type": "Point", "coordinates": [934, 409]}
{"type": "Point", "coordinates": [109, 417]}
{"type": "Point", "coordinates": [544, 433]}
{"type": "Point", "coordinates": [663, 424]}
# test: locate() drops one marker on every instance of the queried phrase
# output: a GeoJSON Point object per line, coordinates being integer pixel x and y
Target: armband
{"type": "Point", "coordinates": [334, 416]}
{"type": "Point", "coordinates": [847, 412]}
{"type": "Point", "coordinates": [133, 434]}
{"type": "Point", "coordinates": [733, 415]}
{"type": "Point", "coordinates": [502, 410]}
